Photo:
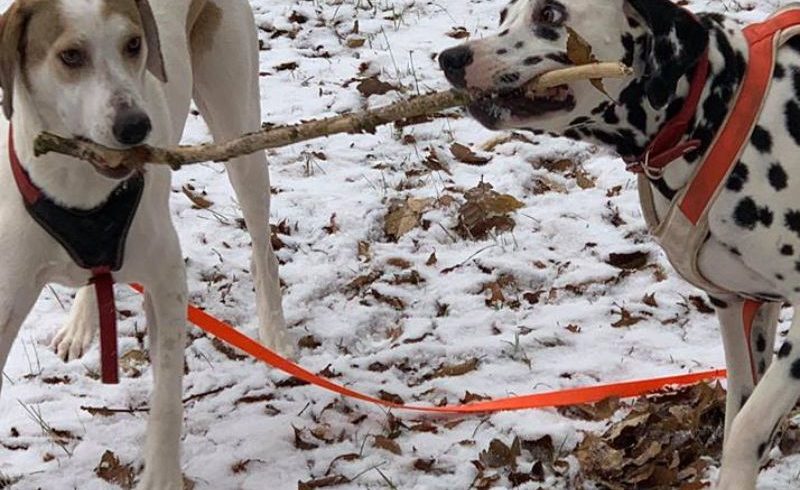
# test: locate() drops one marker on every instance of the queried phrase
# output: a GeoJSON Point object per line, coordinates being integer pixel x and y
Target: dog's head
{"type": "Point", "coordinates": [658, 39]}
{"type": "Point", "coordinates": [82, 65]}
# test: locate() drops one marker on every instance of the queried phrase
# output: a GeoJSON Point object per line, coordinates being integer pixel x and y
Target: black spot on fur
{"type": "Point", "coordinates": [547, 33]}
{"type": "Point", "coordinates": [787, 250]}
{"type": "Point", "coordinates": [795, 370]}
{"type": "Point", "coordinates": [762, 448]}
{"type": "Point", "coordinates": [785, 350]}
{"type": "Point", "coordinates": [747, 214]}
{"type": "Point", "coordinates": [793, 120]}
{"type": "Point", "coordinates": [793, 221]}
{"type": "Point", "coordinates": [761, 139]}
{"type": "Point", "coordinates": [780, 72]}
{"type": "Point", "coordinates": [761, 343]}
{"type": "Point", "coordinates": [738, 177]}
{"type": "Point", "coordinates": [777, 177]}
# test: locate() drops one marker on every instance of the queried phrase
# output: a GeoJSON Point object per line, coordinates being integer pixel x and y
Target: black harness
{"type": "Point", "coordinates": [94, 239]}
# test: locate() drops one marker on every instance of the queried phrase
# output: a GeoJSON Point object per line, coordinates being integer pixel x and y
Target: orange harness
{"type": "Point", "coordinates": [684, 229]}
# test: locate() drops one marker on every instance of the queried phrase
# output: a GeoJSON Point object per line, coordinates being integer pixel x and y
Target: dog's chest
{"type": "Point", "coordinates": [757, 214]}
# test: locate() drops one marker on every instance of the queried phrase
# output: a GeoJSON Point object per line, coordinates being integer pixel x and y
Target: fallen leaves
{"type": "Point", "coordinates": [452, 370]}
{"type": "Point", "coordinates": [113, 471]}
{"type": "Point", "coordinates": [383, 442]}
{"type": "Point", "coordinates": [198, 198]}
{"type": "Point", "coordinates": [628, 261]}
{"type": "Point", "coordinates": [375, 86]}
{"type": "Point", "coordinates": [664, 442]}
{"type": "Point", "coordinates": [486, 211]}
{"type": "Point", "coordinates": [404, 216]}
{"type": "Point", "coordinates": [465, 155]}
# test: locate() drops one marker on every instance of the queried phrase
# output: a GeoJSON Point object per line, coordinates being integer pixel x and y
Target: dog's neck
{"type": "Point", "coordinates": [67, 181]}
{"type": "Point", "coordinates": [629, 126]}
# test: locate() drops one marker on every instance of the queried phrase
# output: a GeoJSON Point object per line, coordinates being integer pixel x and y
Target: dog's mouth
{"type": "Point", "coordinates": [520, 103]}
{"type": "Point", "coordinates": [118, 173]}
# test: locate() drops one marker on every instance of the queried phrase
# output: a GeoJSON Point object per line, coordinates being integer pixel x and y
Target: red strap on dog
{"type": "Point", "coordinates": [733, 136]}
{"type": "Point", "coordinates": [26, 187]}
{"type": "Point", "coordinates": [101, 276]}
{"type": "Point", "coordinates": [666, 147]}
{"type": "Point", "coordinates": [104, 289]}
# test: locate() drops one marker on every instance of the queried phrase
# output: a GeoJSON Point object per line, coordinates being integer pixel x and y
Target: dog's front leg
{"type": "Point", "coordinates": [754, 429]}
{"type": "Point", "coordinates": [748, 348]}
{"type": "Point", "coordinates": [165, 307]}
{"type": "Point", "coordinates": [16, 301]}
{"type": "Point", "coordinates": [75, 337]}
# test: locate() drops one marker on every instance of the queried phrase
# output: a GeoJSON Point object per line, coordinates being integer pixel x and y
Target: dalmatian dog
{"type": "Point", "coordinates": [123, 72]}
{"type": "Point", "coordinates": [754, 244]}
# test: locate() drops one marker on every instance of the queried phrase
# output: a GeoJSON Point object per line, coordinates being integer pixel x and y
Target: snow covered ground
{"type": "Point", "coordinates": [536, 309]}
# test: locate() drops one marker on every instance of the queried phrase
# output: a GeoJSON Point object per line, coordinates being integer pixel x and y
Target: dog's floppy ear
{"type": "Point", "coordinates": [12, 30]}
{"type": "Point", "coordinates": [678, 39]}
{"type": "Point", "coordinates": [155, 60]}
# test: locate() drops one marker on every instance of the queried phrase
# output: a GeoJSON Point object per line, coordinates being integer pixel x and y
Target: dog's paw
{"type": "Point", "coordinates": [73, 340]}
{"type": "Point", "coordinates": [279, 340]}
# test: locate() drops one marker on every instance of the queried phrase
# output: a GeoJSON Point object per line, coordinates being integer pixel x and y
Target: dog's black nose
{"type": "Point", "coordinates": [454, 62]}
{"type": "Point", "coordinates": [131, 127]}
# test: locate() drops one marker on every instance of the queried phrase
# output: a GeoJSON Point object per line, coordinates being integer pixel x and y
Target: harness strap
{"type": "Point", "coordinates": [666, 147]}
{"type": "Point", "coordinates": [725, 152]}
{"type": "Point", "coordinates": [102, 279]}
{"type": "Point", "coordinates": [104, 289]}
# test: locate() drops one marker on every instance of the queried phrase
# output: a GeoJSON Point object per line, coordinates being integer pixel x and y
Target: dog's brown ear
{"type": "Point", "coordinates": [12, 29]}
{"type": "Point", "coordinates": [155, 60]}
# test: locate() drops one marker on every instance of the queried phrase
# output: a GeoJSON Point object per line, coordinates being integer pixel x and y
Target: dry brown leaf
{"type": "Point", "coordinates": [387, 444]}
{"type": "Point", "coordinates": [325, 482]}
{"type": "Point", "coordinates": [133, 362]}
{"type": "Point", "coordinates": [301, 444]}
{"type": "Point", "coordinates": [486, 210]}
{"type": "Point", "coordinates": [629, 261]}
{"type": "Point", "coordinates": [197, 198]}
{"type": "Point", "coordinates": [374, 86]}
{"type": "Point", "coordinates": [404, 217]}
{"type": "Point", "coordinates": [111, 470]}
{"type": "Point", "coordinates": [452, 370]}
{"type": "Point", "coordinates": [580, 52]}
{"type": "Point", "coordinates": [458, 33]}
{"type": "Point", "coordinates": [465, 155]}
{"type": "Point", "coordinates": [500, 455]}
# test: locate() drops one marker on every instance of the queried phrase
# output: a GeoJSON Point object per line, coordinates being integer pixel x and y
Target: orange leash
{"type": "Point", "coordinates": [572, 396]}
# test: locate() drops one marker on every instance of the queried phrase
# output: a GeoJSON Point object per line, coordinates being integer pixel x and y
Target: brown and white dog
{"type": "Point", "coordinates": [123, 72]}
{"type": "Point", "coordinates": [752, 250]}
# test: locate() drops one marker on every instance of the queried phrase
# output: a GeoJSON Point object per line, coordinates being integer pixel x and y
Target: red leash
{"type": "Point", "coordinates": [571, 396]}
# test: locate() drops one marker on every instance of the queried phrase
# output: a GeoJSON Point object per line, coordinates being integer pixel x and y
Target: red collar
{"type": "Point", "coordinates": [666, 147]}
{"type": "Point", "coordinates": [30, 192]}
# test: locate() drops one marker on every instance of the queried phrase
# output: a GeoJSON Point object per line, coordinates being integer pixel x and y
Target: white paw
{"type": "Point", "coordinates": [73, 340]}
{"type": "Point", "coordinates": [160, 480]}
{"type": "Point", "coordinates": [279, 340]}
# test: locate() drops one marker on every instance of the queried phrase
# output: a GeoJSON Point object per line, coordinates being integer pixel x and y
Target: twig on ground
{"type": "Point", "coordinates": [361, 122]}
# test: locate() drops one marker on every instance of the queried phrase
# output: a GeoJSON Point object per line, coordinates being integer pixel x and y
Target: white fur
{"type": "Point", "coordinates": [224, 83]}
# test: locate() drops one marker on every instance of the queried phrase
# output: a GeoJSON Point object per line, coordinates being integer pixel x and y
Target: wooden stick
{"type": "Point", "coordinates": [360, 122]}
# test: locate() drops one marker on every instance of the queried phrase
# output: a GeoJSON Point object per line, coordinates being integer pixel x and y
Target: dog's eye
{"type": "Point", "coordinates": [134, 46]}
{"type": "Point", "coordinates": [73, 58]}
{"type": "Point", "coordinates": [551, 15]}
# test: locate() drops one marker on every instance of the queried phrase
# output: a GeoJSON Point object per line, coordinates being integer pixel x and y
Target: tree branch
{"type": "Point", "coordinates": [360, 122]}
